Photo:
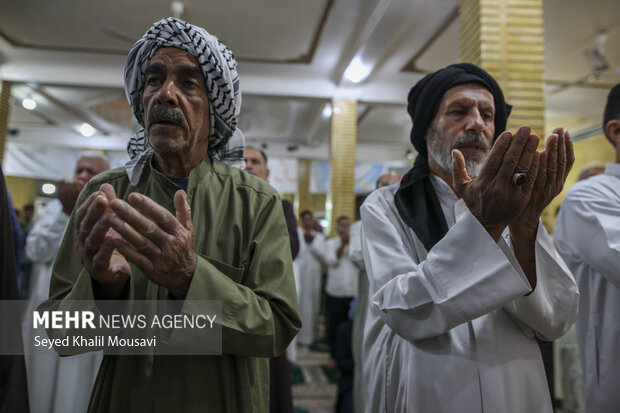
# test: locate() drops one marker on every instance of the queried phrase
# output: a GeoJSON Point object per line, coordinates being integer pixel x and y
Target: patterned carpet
{"type": "Point", "coordinates": [314, 385]}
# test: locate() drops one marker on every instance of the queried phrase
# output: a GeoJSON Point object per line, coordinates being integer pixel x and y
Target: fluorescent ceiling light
{"type": "Point", "coordinates": [48, 188]}
{"type": "Point", "coordinates": [87, 130]}
{"type": "Point", "coordinates": [356, 71]}
{"type": "Point", "coordinates": [29, 103]}
{"type": "Point", "coordinates": [327, 110]}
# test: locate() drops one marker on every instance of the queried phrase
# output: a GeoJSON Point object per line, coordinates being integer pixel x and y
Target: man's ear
{"type": "Point", "coordinates": [612, 129]}
{"type": "Point", "coordinates": [267, 175]}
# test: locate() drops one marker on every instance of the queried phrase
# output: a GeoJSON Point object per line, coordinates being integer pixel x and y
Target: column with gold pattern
{"type": "Point", "coordinates": [341, 197]}
{"type": "Point", "coordinates": [506, 38]}
{"type": "Point", "coordinates": [5, 109]}
{"type": "Point", "coordinates": [303, 200]}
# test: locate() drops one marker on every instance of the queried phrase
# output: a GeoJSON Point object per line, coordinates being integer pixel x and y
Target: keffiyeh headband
{"type": "Point", "coordinates": [221, 78]}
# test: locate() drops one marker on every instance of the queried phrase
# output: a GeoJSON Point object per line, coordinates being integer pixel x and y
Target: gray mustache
{"type": "Point", "coordinates": [161, 113]}
{"type": "Point", "coordinates": [471, 138]}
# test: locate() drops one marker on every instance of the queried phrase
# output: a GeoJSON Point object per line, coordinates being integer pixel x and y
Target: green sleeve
{"type": "Point", "coordinates": [260, 314]}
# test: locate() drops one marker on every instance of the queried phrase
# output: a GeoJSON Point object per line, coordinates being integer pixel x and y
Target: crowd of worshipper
{"type": "Point", "coordinates": [443, 297]}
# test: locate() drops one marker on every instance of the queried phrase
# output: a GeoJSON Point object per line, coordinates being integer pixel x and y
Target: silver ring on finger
{"type": "Point", "coordinates": [518, 178]}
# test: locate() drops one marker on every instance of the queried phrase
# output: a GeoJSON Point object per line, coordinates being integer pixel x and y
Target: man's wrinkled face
{"type": "Point", "coordinates": [87, 168]}
{"type": "Point", "coordinates": [255, 163]}
{"type": "Point", "coordinates": [465, 121]}
{"type": "Point", "coordinates": [176, 106]}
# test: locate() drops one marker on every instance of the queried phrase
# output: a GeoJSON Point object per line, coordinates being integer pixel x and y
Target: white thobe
{"type": "Point", "coordinates": [451, 330]}
{"type": "Point", "coordinates": [359, 317]}
{"type": "Point", "coordinates": [308, 271]}
{"type": "Point", "coordinates": [55, 384]}
{"type": "Point", "coordinates": [342, 274]}
{"type": "Point", "coordinates": [588, 237]}
{"type": "Point", "coordinates": [42, 245]}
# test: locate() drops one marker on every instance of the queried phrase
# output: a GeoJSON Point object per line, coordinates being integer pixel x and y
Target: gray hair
{"type": "Point", "coordinates": [93, 154]}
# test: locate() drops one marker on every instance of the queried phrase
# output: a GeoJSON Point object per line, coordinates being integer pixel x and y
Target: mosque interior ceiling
{"type": "Point", "coordinates": [293, 56]}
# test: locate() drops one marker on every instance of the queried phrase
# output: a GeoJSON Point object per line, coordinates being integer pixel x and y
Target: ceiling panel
{"type": "Point", "coordinates": [571, 27]}
{"type": "Point", "coordinates": [21, 116]}
{"type": "Point", "coordinates": [581, 102]}
{"type": "Point", "coordinates": [267, 118]}
{"type": "Point", "coordinates": [385, 124]}
{"type": "Point", "coordinates": [283, 103]}
{"type": "Point", "coordinates": [443, 51]}
{"type": "Point", "coordinates": [265, 30]}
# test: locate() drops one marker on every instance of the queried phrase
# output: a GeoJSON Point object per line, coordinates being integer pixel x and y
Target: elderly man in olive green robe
{"type": "Point", "coordinates": [178, 224]}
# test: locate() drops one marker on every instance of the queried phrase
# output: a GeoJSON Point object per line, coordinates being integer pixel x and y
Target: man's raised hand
{"type": "Point", "coordinates": [156, 241]}
{"type": "Point", "coordinates": [556, 162]}
{"type": "Point", "coordinates": [94, 243]}
{"type": "Point", "coordinates": [493, 197]}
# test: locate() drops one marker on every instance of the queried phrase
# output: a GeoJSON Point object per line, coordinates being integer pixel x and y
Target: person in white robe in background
{"type": "Point", "coordinates": [58, 385]}
{"type": "Point", "coordinates": [361, 306]}
{"type": "Point", "coordinates": [588, 237]}
{"type": "Point", "coordinates": [308, 271]}
{"type": "Point", "coordinates": [455, 304]}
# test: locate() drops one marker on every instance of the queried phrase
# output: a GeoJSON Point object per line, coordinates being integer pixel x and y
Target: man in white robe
{"type": "Point", "coordinates": [56, 384]}
{"type": "Point", "coordinates": [588, 237]}
{"type": "Point", "coordinates": [308, 271]}
{"type": "Point", "coordinates": [342, 280]}
{"type": "Point", "coordinates": [359, 317]}
{"type": "Point", "coordinates": [462, 274]}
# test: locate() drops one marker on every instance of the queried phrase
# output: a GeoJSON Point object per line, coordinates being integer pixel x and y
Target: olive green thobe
{"type": "Point", "coordinates": [244, 260]}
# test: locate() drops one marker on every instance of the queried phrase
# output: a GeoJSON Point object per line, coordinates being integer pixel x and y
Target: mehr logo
{"type": "Point", "coordinates": [64, 319]}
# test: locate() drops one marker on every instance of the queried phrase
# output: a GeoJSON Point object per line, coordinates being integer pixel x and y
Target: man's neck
{"type": "Point", "coordinates": [436, 169]}
{"type": "Point", "coordinates": [175, 166]}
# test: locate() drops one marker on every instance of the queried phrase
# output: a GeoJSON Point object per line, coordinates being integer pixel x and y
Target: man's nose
{"type": "Point", "coordinates": [475, 122]}
{"type": "Point", "coordinates": [168, 93]}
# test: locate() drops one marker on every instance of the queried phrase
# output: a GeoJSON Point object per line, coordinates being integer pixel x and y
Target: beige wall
{"type": "Point", "coordinates": [23, 190]}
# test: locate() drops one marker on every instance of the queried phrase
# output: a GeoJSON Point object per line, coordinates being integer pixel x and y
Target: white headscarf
{"type": "Point", "coordinates": [219, 69]}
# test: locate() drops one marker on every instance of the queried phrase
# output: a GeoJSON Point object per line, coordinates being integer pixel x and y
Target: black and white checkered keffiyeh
{"type": "Point", "coordinates": [219, 68]}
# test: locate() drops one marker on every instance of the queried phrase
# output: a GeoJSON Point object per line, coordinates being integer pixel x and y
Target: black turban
{"type": "Point", "coordinates": [424, 99]}
{"type": "Point", "coordinates": [415, 199]}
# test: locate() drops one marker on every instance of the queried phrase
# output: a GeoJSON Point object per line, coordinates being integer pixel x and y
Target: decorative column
{"type": "Point", "coordinates": [341, 196]}
{"type": "Point", "coordinates": [506, 38]}
{"type": "Point", "coordinates": [303, 200]}
{"type": "Point", "coordinates": [5, 110]}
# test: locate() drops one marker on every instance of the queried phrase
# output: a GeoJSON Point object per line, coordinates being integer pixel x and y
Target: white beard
{"type": "Point", "coordinates": [443, 155]}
